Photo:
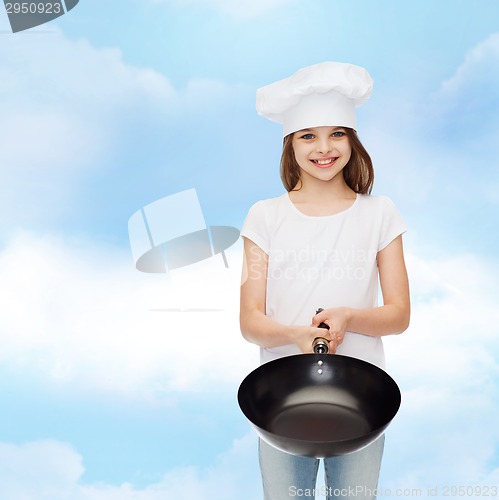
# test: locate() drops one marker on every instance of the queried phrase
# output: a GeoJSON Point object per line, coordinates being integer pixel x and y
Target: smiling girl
{"type": "Point", "coordinates": [327, 242]}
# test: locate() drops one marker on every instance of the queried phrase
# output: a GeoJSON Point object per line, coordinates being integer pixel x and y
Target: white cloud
{"type": "Point", "coordinates": [232, 476]}
{"type": "Point", "coordinates": [468, 101]}
{"type": "Point", "coordinates": [60, 100]}
{"type": "Point", "coordinates": [427, 149]}
{"type": "Point", "coordinates": [81, 316]}
{"type": "Point", "coordinates": [35, 467]}
{"type": "Point", "coordinates": [76, 314]}
{"type": "Point", "coordinates": [68, 108]}
{"type": "Point", "coordinates": [50, 470]}
{"type": "Point", "coordinates": [479, 69]}
{"type": "Point", "coordinates": [446, 365]}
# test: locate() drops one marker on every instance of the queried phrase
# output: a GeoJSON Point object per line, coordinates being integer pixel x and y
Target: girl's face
{"type": "Point", "coordinates": [321, 152]}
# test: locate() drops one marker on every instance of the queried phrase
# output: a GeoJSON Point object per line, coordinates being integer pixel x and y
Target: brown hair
{"type": "Point", "coordinates": [358, 172]}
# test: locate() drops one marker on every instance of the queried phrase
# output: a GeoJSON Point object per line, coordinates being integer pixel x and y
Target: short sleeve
{"type": "Point", "coordinates": [255, 226]}
{"type": "Point", "coordinates": [392, 223]}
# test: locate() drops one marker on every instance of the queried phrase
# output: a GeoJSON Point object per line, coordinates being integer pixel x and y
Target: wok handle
{"type": "Point", "coordinates": [320, 345]}
{"type": "Point", "coordinates": [322, 325]}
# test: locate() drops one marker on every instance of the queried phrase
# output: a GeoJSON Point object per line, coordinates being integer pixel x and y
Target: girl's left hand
{"type": "Point", "coordinates": [336, 319]}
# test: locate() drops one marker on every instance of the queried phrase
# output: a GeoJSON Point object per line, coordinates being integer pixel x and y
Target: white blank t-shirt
{"type": "Point", "coordinates": [326, 262]}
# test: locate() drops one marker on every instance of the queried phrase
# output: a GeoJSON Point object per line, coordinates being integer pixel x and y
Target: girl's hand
{"type": "Point", "coordinates": [304, 337]}
{"type": "Point", "coordinates": [337, 320]}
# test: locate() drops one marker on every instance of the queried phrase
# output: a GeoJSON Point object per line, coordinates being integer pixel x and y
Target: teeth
{"type": "Point", "coordinates": [323, 162]}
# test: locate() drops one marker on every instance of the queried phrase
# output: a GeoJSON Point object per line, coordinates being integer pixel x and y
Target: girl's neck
{"type": "Point", "coordinates": [322, 198]}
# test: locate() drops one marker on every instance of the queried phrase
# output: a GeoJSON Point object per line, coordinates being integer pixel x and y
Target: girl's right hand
{"type": "Point", "coordinates": [304, 337]}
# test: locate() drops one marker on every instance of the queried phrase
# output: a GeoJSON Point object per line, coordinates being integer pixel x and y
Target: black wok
{"type": "Point", "coordinates": [319, 405]}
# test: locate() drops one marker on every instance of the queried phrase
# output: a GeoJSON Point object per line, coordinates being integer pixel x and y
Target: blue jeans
{"type": "Point", "coordinates": [354, 475]}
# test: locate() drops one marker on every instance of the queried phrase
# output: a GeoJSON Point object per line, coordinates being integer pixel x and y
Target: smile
{"type": "Point", "coordinates": [326, 162]}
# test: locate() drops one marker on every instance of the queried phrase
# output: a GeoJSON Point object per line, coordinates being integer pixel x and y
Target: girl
{"type": "Point", "coordinates": [324, 243]}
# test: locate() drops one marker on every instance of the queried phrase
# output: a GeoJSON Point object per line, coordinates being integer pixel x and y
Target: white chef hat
{"type": "Point", "coordinates": [324, 94]}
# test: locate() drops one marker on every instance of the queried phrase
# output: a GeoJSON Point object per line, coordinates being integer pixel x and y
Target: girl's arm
{"type": "Point", "coordinates": [390, 318]}
{"type": "Point", "coordinates": [256, 327]}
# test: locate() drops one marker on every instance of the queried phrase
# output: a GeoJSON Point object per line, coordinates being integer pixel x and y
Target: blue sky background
{"type": "Point", "coordinates": [118, 104]}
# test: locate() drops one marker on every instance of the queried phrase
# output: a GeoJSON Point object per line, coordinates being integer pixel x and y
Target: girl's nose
{"type": "Point", "coordinates": [324, 147]}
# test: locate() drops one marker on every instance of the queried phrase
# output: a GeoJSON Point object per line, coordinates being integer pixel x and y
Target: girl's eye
{"type": "Point", "coordinates": [307, 137]}
{"type": "Point", "coordinates": [338, 134]}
